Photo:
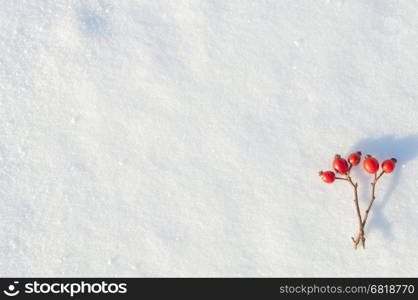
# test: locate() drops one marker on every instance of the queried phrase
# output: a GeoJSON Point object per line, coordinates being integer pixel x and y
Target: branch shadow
{"type": "Point", "coordinates": [385, 147]}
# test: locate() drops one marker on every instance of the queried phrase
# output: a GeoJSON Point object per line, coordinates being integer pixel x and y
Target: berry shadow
{"type": "Point", "coordinates": [404, 150]}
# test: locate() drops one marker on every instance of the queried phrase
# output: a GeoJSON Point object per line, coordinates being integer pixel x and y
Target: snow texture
{"type": "Point", "coordinates": [184, 138]}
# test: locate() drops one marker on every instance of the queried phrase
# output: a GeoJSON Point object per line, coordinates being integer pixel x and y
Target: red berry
{"type": "Point", "coordinates": [370, 164]}
{"type": "Point", "coordinates": [340, 164]}
{"type": "Point", "coordinates": [328, 176]}
{"type": "Point", "coordinates": [389, 165]}
{"type": "Point", "coordinates": [354, 158]}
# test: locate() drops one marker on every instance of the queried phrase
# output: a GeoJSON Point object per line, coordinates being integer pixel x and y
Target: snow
{"type": "Point", "coordinates": [184, 138]}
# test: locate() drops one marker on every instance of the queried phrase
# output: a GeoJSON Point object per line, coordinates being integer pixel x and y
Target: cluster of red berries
{"type": "Point", "coordinates": [343, 166]}
{"type": "Point", "coordinates": [370, 165]}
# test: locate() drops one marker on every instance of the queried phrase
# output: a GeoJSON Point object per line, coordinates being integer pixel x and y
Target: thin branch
{"type": "Point", "coordinates": [366, 214]}
{"type": "Point", "coordinates": [360, 236]}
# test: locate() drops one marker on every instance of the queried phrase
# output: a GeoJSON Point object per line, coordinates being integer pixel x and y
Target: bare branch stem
{"type": "Point", "coordinates": [360, 236]}
{"type": "Point", "coordinates": [366, 214]}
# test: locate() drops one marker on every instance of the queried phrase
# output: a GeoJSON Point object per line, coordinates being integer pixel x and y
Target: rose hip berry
{"type": "Point", "coordinates": [354, 158]}
{"type": "Point", "coordinates": [370, 164]}
{"type": "Point", "coordinates": [389, 165]}
{"type": "Point", "coordinates": [340, 164]}
{"type": "Point", "coordinates": [328, 176]}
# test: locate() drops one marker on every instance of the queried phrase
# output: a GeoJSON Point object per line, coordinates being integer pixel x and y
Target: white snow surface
{"type": "Point", "coordinates": [184, 138]}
